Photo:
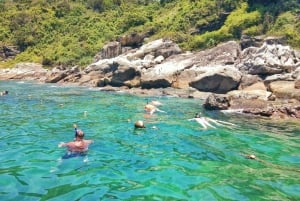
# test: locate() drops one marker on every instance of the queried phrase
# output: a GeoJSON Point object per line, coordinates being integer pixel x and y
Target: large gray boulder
{"type": "Point", "coordinates": [155, 48]}
{"type": "Point", "coordinates": [217, 102]}
{"type": "Point", "coordinates": [166, 73]}
{"type": "Point", "coordinates": [285, 90]}
{"type": "Point", "coordinates": [7, 52]}
{"type": "Point", "coordinates": [217, 79]}
{"type": "Point", "coordinates": [248, 80]}
{"type": "Point", "coordinates": [116, 72]}
{"type": "Point", "coordinates": [59, 73]}
{"type": "Point", "coordinates": [133, 39]}
{"type": "Point", "coordinates": [180, 70]}
{"type": "Point", "coordinates": [123, 74]}
{"type": "Point", "coordinates": [110, 50]}
{"type": "Point", "coordinates": [255, 91]}
{"type": "Point", "coordinates": [269, 59]}
{"type": "Point", "coordinates": [258, 41]}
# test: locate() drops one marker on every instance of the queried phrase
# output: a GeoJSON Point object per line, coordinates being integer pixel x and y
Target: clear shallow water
{"type": "Point", "coordinates": [177, 161]}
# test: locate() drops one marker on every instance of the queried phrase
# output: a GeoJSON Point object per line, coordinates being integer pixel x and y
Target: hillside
{"type": "Point", "coordinates": [62, 32]}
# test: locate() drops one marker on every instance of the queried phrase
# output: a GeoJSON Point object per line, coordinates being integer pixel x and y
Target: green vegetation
{"type": "Point", "coordinates": [71, 32]}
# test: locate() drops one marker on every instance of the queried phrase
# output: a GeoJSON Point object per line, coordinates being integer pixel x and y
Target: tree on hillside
{"type": "Point", "coordinates": [276, 6]}
{"type": "Point", "coordinates": [96, 5]}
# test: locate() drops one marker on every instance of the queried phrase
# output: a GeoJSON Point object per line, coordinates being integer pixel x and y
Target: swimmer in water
{"type": "Point", "coordinates": [3, 93]}
{"type": "Point", "coordinates": [139, 124]}
{"type": "Point", "coordinates": [77, 147]}
{"type": "Point", "coordinates": [208, 122]}
{"type": "Point", "coordinates": [150, 108]}
{"type": "Point", "coordinates": [156, 103]}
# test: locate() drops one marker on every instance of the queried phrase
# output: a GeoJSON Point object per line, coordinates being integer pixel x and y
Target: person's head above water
{"type": "Point", "coordinates": [198, 115]}
{"type": "Point", "coordinates": [80, 134]}
{"type": "Point", "coordinates": [139, 124]}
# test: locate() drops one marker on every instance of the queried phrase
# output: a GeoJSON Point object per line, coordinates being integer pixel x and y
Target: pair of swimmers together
{"type": "Point", "coordinates": [149, 108]}
{"type": "Point", "coordinates": [78, 147]}
{"type": "Point", "coordinates": [205, 122]}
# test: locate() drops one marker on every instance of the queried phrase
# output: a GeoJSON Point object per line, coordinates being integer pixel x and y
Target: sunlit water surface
{"type": "Point", "coordinates": [176, 161]}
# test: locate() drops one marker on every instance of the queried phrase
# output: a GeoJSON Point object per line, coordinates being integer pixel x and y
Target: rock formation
{"type": "Point", "coordinates": [263, 79]}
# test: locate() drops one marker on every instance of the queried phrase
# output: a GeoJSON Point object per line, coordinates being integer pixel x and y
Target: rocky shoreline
{"type": "Point", "coordinates": [261, 79]}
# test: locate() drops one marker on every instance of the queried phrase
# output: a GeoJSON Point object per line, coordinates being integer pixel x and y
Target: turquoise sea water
{"type": "Point", "coordinates": [176, 161]}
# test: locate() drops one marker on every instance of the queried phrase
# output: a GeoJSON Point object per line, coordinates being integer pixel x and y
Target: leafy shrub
{"type": "Point", "coordinates": [29, 55]}
{"type": "Point", "coordinates": [209, 39]}
{"type": "Point", "coordinates": [240, 19]}
{"type": "Point", "coordinates": [62, 9]}
{"type": "Point", "coordinates": [97, 5]}
{"type": "Point", "coordinates": [254, 30]}
{"type": "Point", "coordinates": [287, 24]}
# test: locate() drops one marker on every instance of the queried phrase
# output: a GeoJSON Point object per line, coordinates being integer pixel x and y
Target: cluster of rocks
{"type": "Point", "coordinates": [8, 52]}
{"type": "Point", "coordinates": [261, 80]}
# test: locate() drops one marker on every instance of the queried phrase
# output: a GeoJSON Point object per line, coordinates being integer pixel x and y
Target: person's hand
{"type": "Point", "coordinates": [60, 144]}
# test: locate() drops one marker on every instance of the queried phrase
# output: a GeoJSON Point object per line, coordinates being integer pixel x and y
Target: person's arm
{"type": "Point", "coordinates": [214, 121]}
{"type": "Point", "coordinates": [200, 121]}
{"type": "Point", "coordinates": [71, 145]}
{"type": "Point", "coordinates": [62, 144]}
{"type": "Point", "coordinates": [88, 142]}
{"type": "Point", "coordinates": [206, 122]}
{"type": "Point", "coordinates": [226, 123]}
{"type": "Point", "coordinates": [221, 123]}
{"type": "Point", "coordinates": [160, 110]}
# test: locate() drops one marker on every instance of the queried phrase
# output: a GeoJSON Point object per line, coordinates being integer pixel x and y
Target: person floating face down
{"type": "Point", "coordinates": [207, 122]}
{"type": "Point", "coordinates": [202, 121]}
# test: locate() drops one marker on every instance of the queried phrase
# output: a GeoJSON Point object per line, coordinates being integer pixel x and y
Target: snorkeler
{"type": "Point", "coordinates": [78, 147]}
{"type": "Point", "coordinates": [206, 121]}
